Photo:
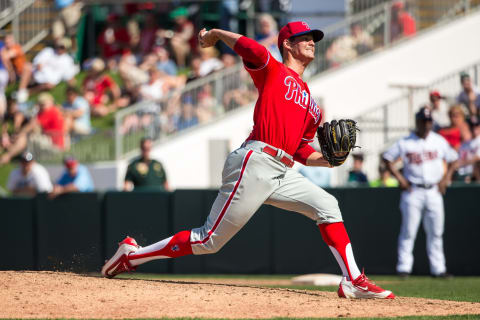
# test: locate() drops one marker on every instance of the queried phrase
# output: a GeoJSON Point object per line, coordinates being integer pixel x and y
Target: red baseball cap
{"type": "Point", "coordinates": [297, 28]}
{"type": "Point", "coordinates": [436, 94]}
{"type": "Point", "coordinates": [70, 162]}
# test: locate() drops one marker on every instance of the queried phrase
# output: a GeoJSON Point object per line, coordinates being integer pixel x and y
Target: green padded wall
{"type": "Point", "coordinates": [69, 233]}
{"type": "Point", "coordinates": [18, 231]}
{"type": "Point", "coordinates": [144, 216]}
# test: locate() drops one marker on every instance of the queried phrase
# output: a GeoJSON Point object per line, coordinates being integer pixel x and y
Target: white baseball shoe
{"type": "Point", "coordinates": [119, 263]}
{"type": "Point", "coordinates": [362, 288]}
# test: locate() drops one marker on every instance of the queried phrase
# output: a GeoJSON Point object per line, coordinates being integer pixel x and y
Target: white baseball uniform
{"type": "Point", "coordinates": [423, 163]}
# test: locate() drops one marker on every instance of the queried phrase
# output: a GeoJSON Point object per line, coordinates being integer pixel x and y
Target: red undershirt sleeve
{"type": "Point", "coordinates": [303, 152]}
{"type": "Point", "coordinates": [251, 52]}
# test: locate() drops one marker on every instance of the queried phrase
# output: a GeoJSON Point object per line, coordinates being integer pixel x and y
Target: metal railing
{"type": "Point", "coordinates": [385, 124]}
{"type": "Point", "coordinates": [30, 20]}
{"type": "Point", "coordinates": [198, 103]}
{"type": "Point", "coordinates": [93, 148]}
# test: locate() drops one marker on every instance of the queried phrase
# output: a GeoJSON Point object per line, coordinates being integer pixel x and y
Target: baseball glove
{"type": "Point", "coordinates": [337, 139]}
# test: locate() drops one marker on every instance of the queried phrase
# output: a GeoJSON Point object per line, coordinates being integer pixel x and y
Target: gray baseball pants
{"type": "Point", "coordinates": [250, 178]}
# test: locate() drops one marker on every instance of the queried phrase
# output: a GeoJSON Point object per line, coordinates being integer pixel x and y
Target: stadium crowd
{"type": "Point", "coordinates": [148, 53]}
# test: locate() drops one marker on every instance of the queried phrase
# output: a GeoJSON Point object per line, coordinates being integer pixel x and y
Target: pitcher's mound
{"type": "Point", "coordinates": [66, 295]}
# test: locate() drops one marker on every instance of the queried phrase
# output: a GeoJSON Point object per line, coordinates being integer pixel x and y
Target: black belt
{"type": "Point", "coordinates": [423, 185]}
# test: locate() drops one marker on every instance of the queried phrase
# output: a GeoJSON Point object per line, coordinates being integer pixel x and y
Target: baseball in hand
{"type": "Point", "coordinates": [205, 38]}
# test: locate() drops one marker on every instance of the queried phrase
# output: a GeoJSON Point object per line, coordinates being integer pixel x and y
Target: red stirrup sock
{"type": "Point", "coordinates": [173, 247]}
{"type": "Point", "coordinates": [336, 237]}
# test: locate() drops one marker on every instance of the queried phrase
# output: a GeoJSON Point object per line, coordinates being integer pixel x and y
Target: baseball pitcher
{"type": "Point", "coordinates": [286, 119]}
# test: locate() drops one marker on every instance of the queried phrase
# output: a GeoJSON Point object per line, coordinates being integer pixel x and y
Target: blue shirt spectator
{"type": "Point", "coordinates": [75, 178]}
{"type": "Point", "coordinates": [79, 109]}
{"type": "Point", "coordinates": [165, 64]}
{"type": "Point", "coordinates": [82, 179]}
{"type": "Point", "coordinates": [77, 175]}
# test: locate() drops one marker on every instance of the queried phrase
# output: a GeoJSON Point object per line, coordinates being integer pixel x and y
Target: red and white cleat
{"type": "Point", "coordinates": [119, 262]}
{"type": "Point", "coordinates": [362, 288]}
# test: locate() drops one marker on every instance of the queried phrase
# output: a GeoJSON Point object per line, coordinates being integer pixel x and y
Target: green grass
{"type": "Point", "coordinates": [4, 173]}
{"type": "Point", "coordinates": [456, 289]}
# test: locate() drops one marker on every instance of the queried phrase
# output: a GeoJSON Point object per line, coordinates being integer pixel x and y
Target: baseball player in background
{"type": "Point", "coordinates": [285, 121]}
{"type": "Point", "coordinates": [423, 181]}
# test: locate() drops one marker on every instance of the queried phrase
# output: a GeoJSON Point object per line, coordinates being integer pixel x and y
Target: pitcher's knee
{"type": "Point", "coordinates": [329, 211]}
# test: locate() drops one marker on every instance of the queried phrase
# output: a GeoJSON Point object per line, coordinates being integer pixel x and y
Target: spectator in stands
{"type": "Point", "coordinates": [76, 112]}
{"type": "Point", "coordinates": [155, 89]}
{"type": "Point", "coordinates": [356, 176]}
{"type": "Point", "coordinates": [209, 61]}
{"type": "Point", "coordinates": [101, 92]}
{"type": "Point", "coordinates": [402, 23]}
{"type": "Point", "coordinates": [385, 179]}
{"type": "Point", "coordinates": [17, 65]}
{"type": "Point", "coordinates": [267, 34]}
{"type": "Point", "coordinates": [158, 85]}
{"type": "Point", "coordinates": [132, 74]}
{"type": "Point", "coordinates": [30, 178]}
{"type": "Point", "coordinates": [228, 60]}
{"type": "Point", "coordinates": [469, 157]}
{"type": "Point", "coordinates": [45, 131]}
{"type": "Point", "coordinates": [13, 124]}
{"type": "Point", "coordinates": [349, 47]}
{"type": "Point", "coordinates": [114, 39]}
{"type": "Point", "coordinates": [458, 130]}
{"type": "Point", "coordinates": [165, 64]}
{"type": "Point", "coordinates": [188, 117]}
{"type": "Point", "coordinates": [238, 92]}
{"type": "Point", "coordinates": [148, 34]}
{"type": "Point", "coordinates": [75, 178]}
{"type": "Point", "coordinates": [194, 73]}
{"type": "Point", "coordinates": [53, 65]}
{"type": "Point", "coordinates": [469, 97]}
{"type": "Point", "coordinates": [183, 40]}
{"type": "Point", "coordinates": [144, 172]}
{"type": "Point", "coordinates": [207, 105]}
{"type": "Point", "coordinates": [3, 81]}
{"type": "Point", "coordinates": [66, 20]}
{"type": "Point", "coordinates": [439, 110]}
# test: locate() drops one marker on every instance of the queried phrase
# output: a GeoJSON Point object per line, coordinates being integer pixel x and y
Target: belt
{"type": "Point", "coordinates": [423, 185]}
{"type": "Point", "coordinates": [273, 152]}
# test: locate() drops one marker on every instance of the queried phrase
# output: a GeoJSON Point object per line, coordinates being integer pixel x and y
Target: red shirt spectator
{"type": "Point", "coordinates": [402, 23]}
{"type": "Point", "coordinates": [458, 128]}
{"type": "Point", "coordinates": [114, 39]}
{"type": "Point", "coordinates": [408, 24]}
{"type": "Point", "coordinates": [453, 136]}
{"type": "Point", "coordinates": [51, 120]}
{"type": "Point", "coordinates": [99, 86]}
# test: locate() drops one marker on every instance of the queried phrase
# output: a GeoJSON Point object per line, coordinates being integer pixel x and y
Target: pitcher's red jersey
{"type": "Point", "coordinates": [286, 115]}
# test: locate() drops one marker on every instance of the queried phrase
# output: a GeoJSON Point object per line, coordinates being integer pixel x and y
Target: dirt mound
{"type": "Point", "coordinates": [67, 295]}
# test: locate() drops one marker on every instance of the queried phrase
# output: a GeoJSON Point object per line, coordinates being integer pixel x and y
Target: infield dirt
{"type": "Point", "coordinates": [29, 294]}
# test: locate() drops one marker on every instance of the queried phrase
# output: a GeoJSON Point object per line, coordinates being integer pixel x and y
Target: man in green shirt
{"type": "Point", "coordinates": [144, 173]}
